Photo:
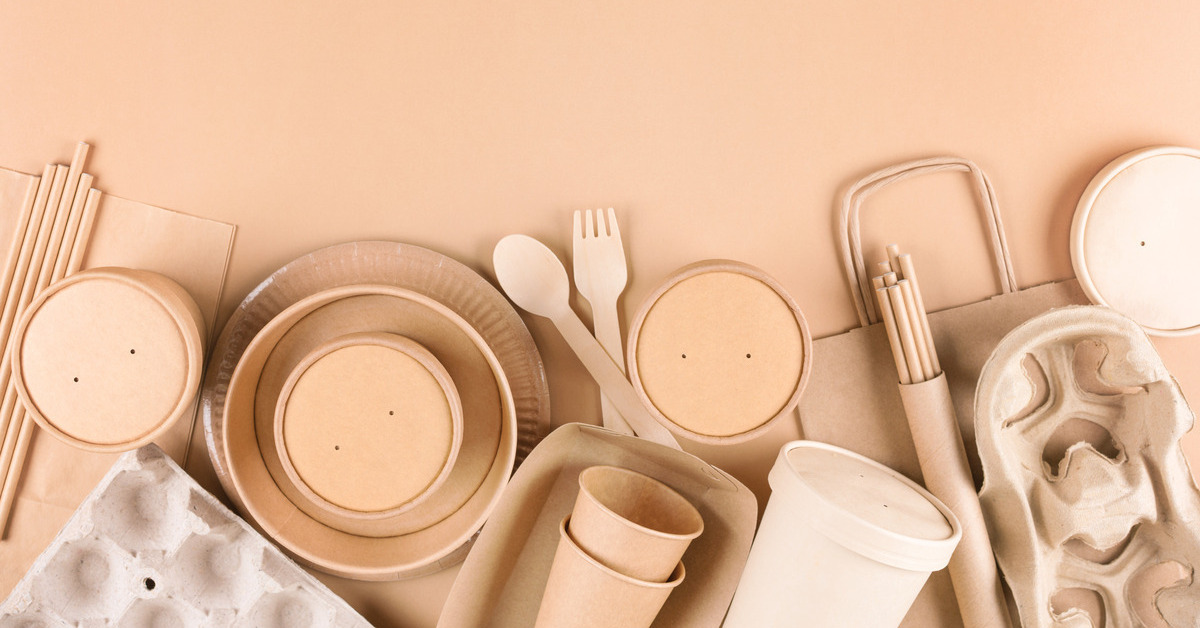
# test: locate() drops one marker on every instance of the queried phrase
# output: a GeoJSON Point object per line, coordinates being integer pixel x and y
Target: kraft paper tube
{"type": "Point", "coordinates": [58, 247]}
{"type": "Point", "coordinates": [910, 273]}
{"type": "Point", "coordinates": [907, 341]}
{"type": "Point", "coordinates": [77, 247]}
{"type": "Point", "coordinates": [943, 460]}
{"type": "Point", "coordinates": [914, 321]}
{"type": "Point", "coordinates": [889, 323]}
{"type": "Point", "coordinates": [893, 253]}
{"type": "Point", "coordinates": [37, 257]}
{"type": "Point", "coordinates": [582, 593]}
{"type": "Point", "coordinates": [877, 284]}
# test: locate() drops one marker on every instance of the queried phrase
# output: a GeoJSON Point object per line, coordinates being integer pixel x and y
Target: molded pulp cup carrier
{"type": "Point", "coordinates": [844, 541]}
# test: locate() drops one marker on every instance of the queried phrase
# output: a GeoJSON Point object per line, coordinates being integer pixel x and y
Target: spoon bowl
{"type": "Point", "coordinates": [531, 275]}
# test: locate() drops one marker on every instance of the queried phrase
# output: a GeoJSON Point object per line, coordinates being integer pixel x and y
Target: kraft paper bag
{"type": "Point", "coordinates": [853, 400]}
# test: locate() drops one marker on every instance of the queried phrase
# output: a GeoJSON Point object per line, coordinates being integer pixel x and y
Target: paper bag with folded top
{"type": "Point", "coordinates": [852, 398]}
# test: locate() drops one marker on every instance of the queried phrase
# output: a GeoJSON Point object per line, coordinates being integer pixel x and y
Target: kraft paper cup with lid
{"type": "Point", "coordinates": [583, 593]}
{"type": "Point", "coordinates": [360, 408]}
{"type": "Point", "coordinates": [108, 358]}
{"type": "Point", "coordinates": [844, 541]}
{"type": "Point", "coordinates": [632, 523]}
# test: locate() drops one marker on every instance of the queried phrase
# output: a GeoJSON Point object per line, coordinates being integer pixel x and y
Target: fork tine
{"type": "Point", "coordinates": [577, 226]}
{"type": "Point", "coordinates": [601, 229]}
{"type": "Point", "coordinates": [613, 230]}
{"type": "Point", "coordinates": [589, 228]}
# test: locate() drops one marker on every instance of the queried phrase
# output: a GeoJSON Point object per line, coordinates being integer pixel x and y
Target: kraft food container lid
{"type": "Point", "coordinates": [719, 352]}
{"type": "Point", "coordinates": [864, 506]}
{"type": "Point", "coordinates": [1133, 237]}
{"type": "Point", "coordinates": [108, 358]}
{"type": "Point", "coordinates": [370, 422]}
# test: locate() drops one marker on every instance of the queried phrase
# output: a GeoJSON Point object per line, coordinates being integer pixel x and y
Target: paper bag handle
{"type": "Point", "coordinates": [850, 233]}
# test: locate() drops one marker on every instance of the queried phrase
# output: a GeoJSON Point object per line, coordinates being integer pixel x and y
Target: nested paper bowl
{"type": "Point", "coordinates": [439, 530]}
{"type": "Point", "coordinates": [370, 405]}
{"type": "Point", "coordinates": [333, 313]}
{"type": "Point", "coordinates": [107, 359]}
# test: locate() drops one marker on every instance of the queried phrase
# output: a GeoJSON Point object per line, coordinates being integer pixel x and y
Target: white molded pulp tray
{"type": "Point", "coordinates": [149, 547]}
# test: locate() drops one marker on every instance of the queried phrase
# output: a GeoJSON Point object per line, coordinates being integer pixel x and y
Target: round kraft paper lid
{"type": "Point", "coordinates": [719, 352]}
{"type": "Point", "coordinates": [865, 506]}
{"type": "Point", "coordinates": [108, 358]}
{"type": "Point", "coordinates": [370, 422]}
{"type": "Point", "coordinates": [1133, 236]}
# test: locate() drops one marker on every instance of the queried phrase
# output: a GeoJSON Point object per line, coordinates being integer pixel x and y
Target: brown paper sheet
{"type": "Point", "coordinates": [57, 477]}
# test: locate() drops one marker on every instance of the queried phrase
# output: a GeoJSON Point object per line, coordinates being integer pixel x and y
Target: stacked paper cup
{"type": "Point", "coordinates": [620, 552]}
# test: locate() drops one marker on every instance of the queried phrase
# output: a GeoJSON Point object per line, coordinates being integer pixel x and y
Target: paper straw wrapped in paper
{"type": "Point", "coordinates": [939, 444]}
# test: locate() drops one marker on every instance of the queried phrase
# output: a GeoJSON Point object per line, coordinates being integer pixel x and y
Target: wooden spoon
{"type": "Point", "coordinates": [536, 280]}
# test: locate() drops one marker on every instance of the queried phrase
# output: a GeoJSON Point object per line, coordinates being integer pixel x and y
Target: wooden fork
{"type": "Point", "coordinates": [600, 277]}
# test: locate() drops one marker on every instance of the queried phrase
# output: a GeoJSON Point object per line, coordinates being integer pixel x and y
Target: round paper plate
{"type": "Point", "coordinates": [109, 358]}
{"type": "Point", "coordinates": [352, 309]}
{"type": "Point", "coordinates": [334, 551]}
{"type": "Point", "coordinates": [1133, 238]}
{"type": "Point", "coordinates": [387, 263]}
{"type": "Point", "coordinates": [367, 404]}
{"type": "Point", "coordinates": [719, 352]}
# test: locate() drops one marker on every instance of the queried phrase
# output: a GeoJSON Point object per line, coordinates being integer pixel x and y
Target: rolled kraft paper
{"type": "Point", "coordinates": [582, 593]}
{"type": "Point", "coordinates": [947, 474]}
{"type": "Point", "coordinates": [633, 523]}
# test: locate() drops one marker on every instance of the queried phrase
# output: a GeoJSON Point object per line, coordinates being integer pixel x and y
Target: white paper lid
{"type": "Point", "coordinates": [865, 506]}
{"type": "Point", "coordinates": [1133, 238]}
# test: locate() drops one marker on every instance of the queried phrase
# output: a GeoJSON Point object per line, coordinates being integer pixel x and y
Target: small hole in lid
{"type": "Point", "coordinates": [747, 355]}
{"type": "Point", "coordinates": [391, 412]}
{"type": "Point", "coordinates": [337, 447]}
{"type": "Point", "coordinates": [132, 351]}
{"type": "Point", "coordinates": [76, 379]}
{"type": "Point", "coordinates": [1143, 243]}
{"type": "Point", "coordinates": [683, 355]}
{"type": "Point", "coordinates": [149, 584]}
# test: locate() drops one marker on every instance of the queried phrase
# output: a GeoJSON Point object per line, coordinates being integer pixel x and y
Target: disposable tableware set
{"type": "Point", "coordinates": [379, 411]}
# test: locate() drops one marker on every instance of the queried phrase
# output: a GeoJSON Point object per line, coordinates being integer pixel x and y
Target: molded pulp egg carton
{"type": "Point", "coordinates": [149, 547]}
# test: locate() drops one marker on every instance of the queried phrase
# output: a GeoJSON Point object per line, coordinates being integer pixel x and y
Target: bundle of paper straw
{"type": "Point", "coordinates": [53, 229]}
{"type": "Point", "coordinates": [938, 441]}
{"type": "Point", "coordinates": [903, 312]}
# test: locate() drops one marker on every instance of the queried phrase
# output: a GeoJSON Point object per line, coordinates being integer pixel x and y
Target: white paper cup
{"type": "Point", "coordinates": [582, 593]}
{"type": "Point", "coordinates": [844, 541]}
{"type": "Point", "coordinates": [633, 523]}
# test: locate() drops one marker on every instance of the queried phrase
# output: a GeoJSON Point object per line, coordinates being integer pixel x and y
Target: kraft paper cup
{"type": "Point", "coordinates": [583, 593]}
{"type": "Point", "coordinates": [844, 541]}
{"type": "Point", "coordinates": [632, 523]}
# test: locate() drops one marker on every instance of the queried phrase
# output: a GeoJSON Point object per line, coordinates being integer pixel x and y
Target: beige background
{"type": "Point", "coordinates": [716, 129]}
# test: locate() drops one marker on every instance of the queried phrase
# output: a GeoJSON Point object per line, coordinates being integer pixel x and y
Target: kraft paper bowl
{"type": "Point", "coordinates": [440, 531]}
{"type": "Point", "coordinates": [397, 420]}
{"type": "Point", "coordinates": [109, 358]}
